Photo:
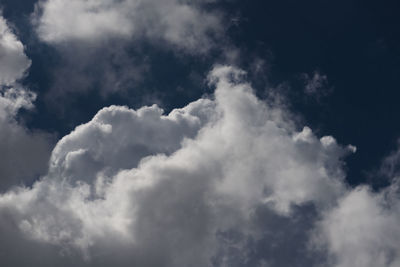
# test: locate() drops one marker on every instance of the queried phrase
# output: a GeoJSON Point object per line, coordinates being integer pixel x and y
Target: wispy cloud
{"type": "Point", "coordinates": [25, 153]}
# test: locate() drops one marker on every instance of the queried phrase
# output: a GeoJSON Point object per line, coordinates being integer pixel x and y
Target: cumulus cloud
{"type": "Point", "coordinates": [25, 153]}
{"type": "Point", "coordinates": [182, 24]}
{"type": "Point", "coordinates": [228, 180]}
{"type": "Point", "coordinates": [363, 229]}
{"type": "Point", "coordinates": [224, 181]}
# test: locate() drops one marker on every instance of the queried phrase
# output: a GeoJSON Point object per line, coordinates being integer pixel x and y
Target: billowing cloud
{"type": "Point", "coordinates": [25, 153]}
{"type": "Point", "coordinates": [182, 24]}
{"type": "Point", "coordinates": [227, 180]}
{"type": "Point", "coordinates": [224, 181]}
{"type": "Point", "coordinates": [363, 229]}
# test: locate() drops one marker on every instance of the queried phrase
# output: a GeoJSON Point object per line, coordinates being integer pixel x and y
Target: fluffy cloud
{"type": "Point", "coordinates": [226, 181]}
{"type": "Point", "coordinates": [118, 138]}
{"type": "Point", "coordinates": [25, 153]}
{"type": "Point", "coordinates": [182, 24]}
{"type": "Point", "coordinates": [363, 229]}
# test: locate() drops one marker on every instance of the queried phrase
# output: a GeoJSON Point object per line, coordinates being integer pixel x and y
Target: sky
{"type": "Point", "coordinates": [199, 133]}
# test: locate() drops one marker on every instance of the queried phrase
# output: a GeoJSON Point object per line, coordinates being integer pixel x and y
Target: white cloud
{"type": "Point", "coordinates": [226, 181]}
{"type": "Point", "coordinates": [110, 45]}
{"type": "Point", "coordinates": [118, 138]}
{"type": "Point", "coordinates": [181, 24]}
{"type": "Point", "coordinates": [14, 63]}
{"type": "Point", "coordinates": [183, 189]}
{"type": "Point", "coordinates": [24, 153]}
{"type": "Point", "coordinates": [363, 230]}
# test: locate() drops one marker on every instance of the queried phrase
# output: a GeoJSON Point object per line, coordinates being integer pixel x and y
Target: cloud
{"type": "Point", "coordinates": [363, 229]}
{"type": "Point", "coordinates": [181, 24]}
{"type": "Point", "coordinates": [25, 153]}
{"type": "Point", "coordinates": [105, 68]}
{"type": "Point", "coordinates": [14, 63]}
{"type": "Point", "coordinates": [118, 138]}
{"type": "Point", "coordinates": [109, 47]}
{"type": "Point", "coordinates": [228, 180]}
{"type": "Point", "coordinates": [224, 181]}
{"type": "Point", "coordinates": [316, 84]}
{"type": "Point", "coordinates": [390, 165]}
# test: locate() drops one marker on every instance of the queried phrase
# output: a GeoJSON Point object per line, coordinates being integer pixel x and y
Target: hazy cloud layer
{"type": "Point", "coordinates": [24, 153]}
